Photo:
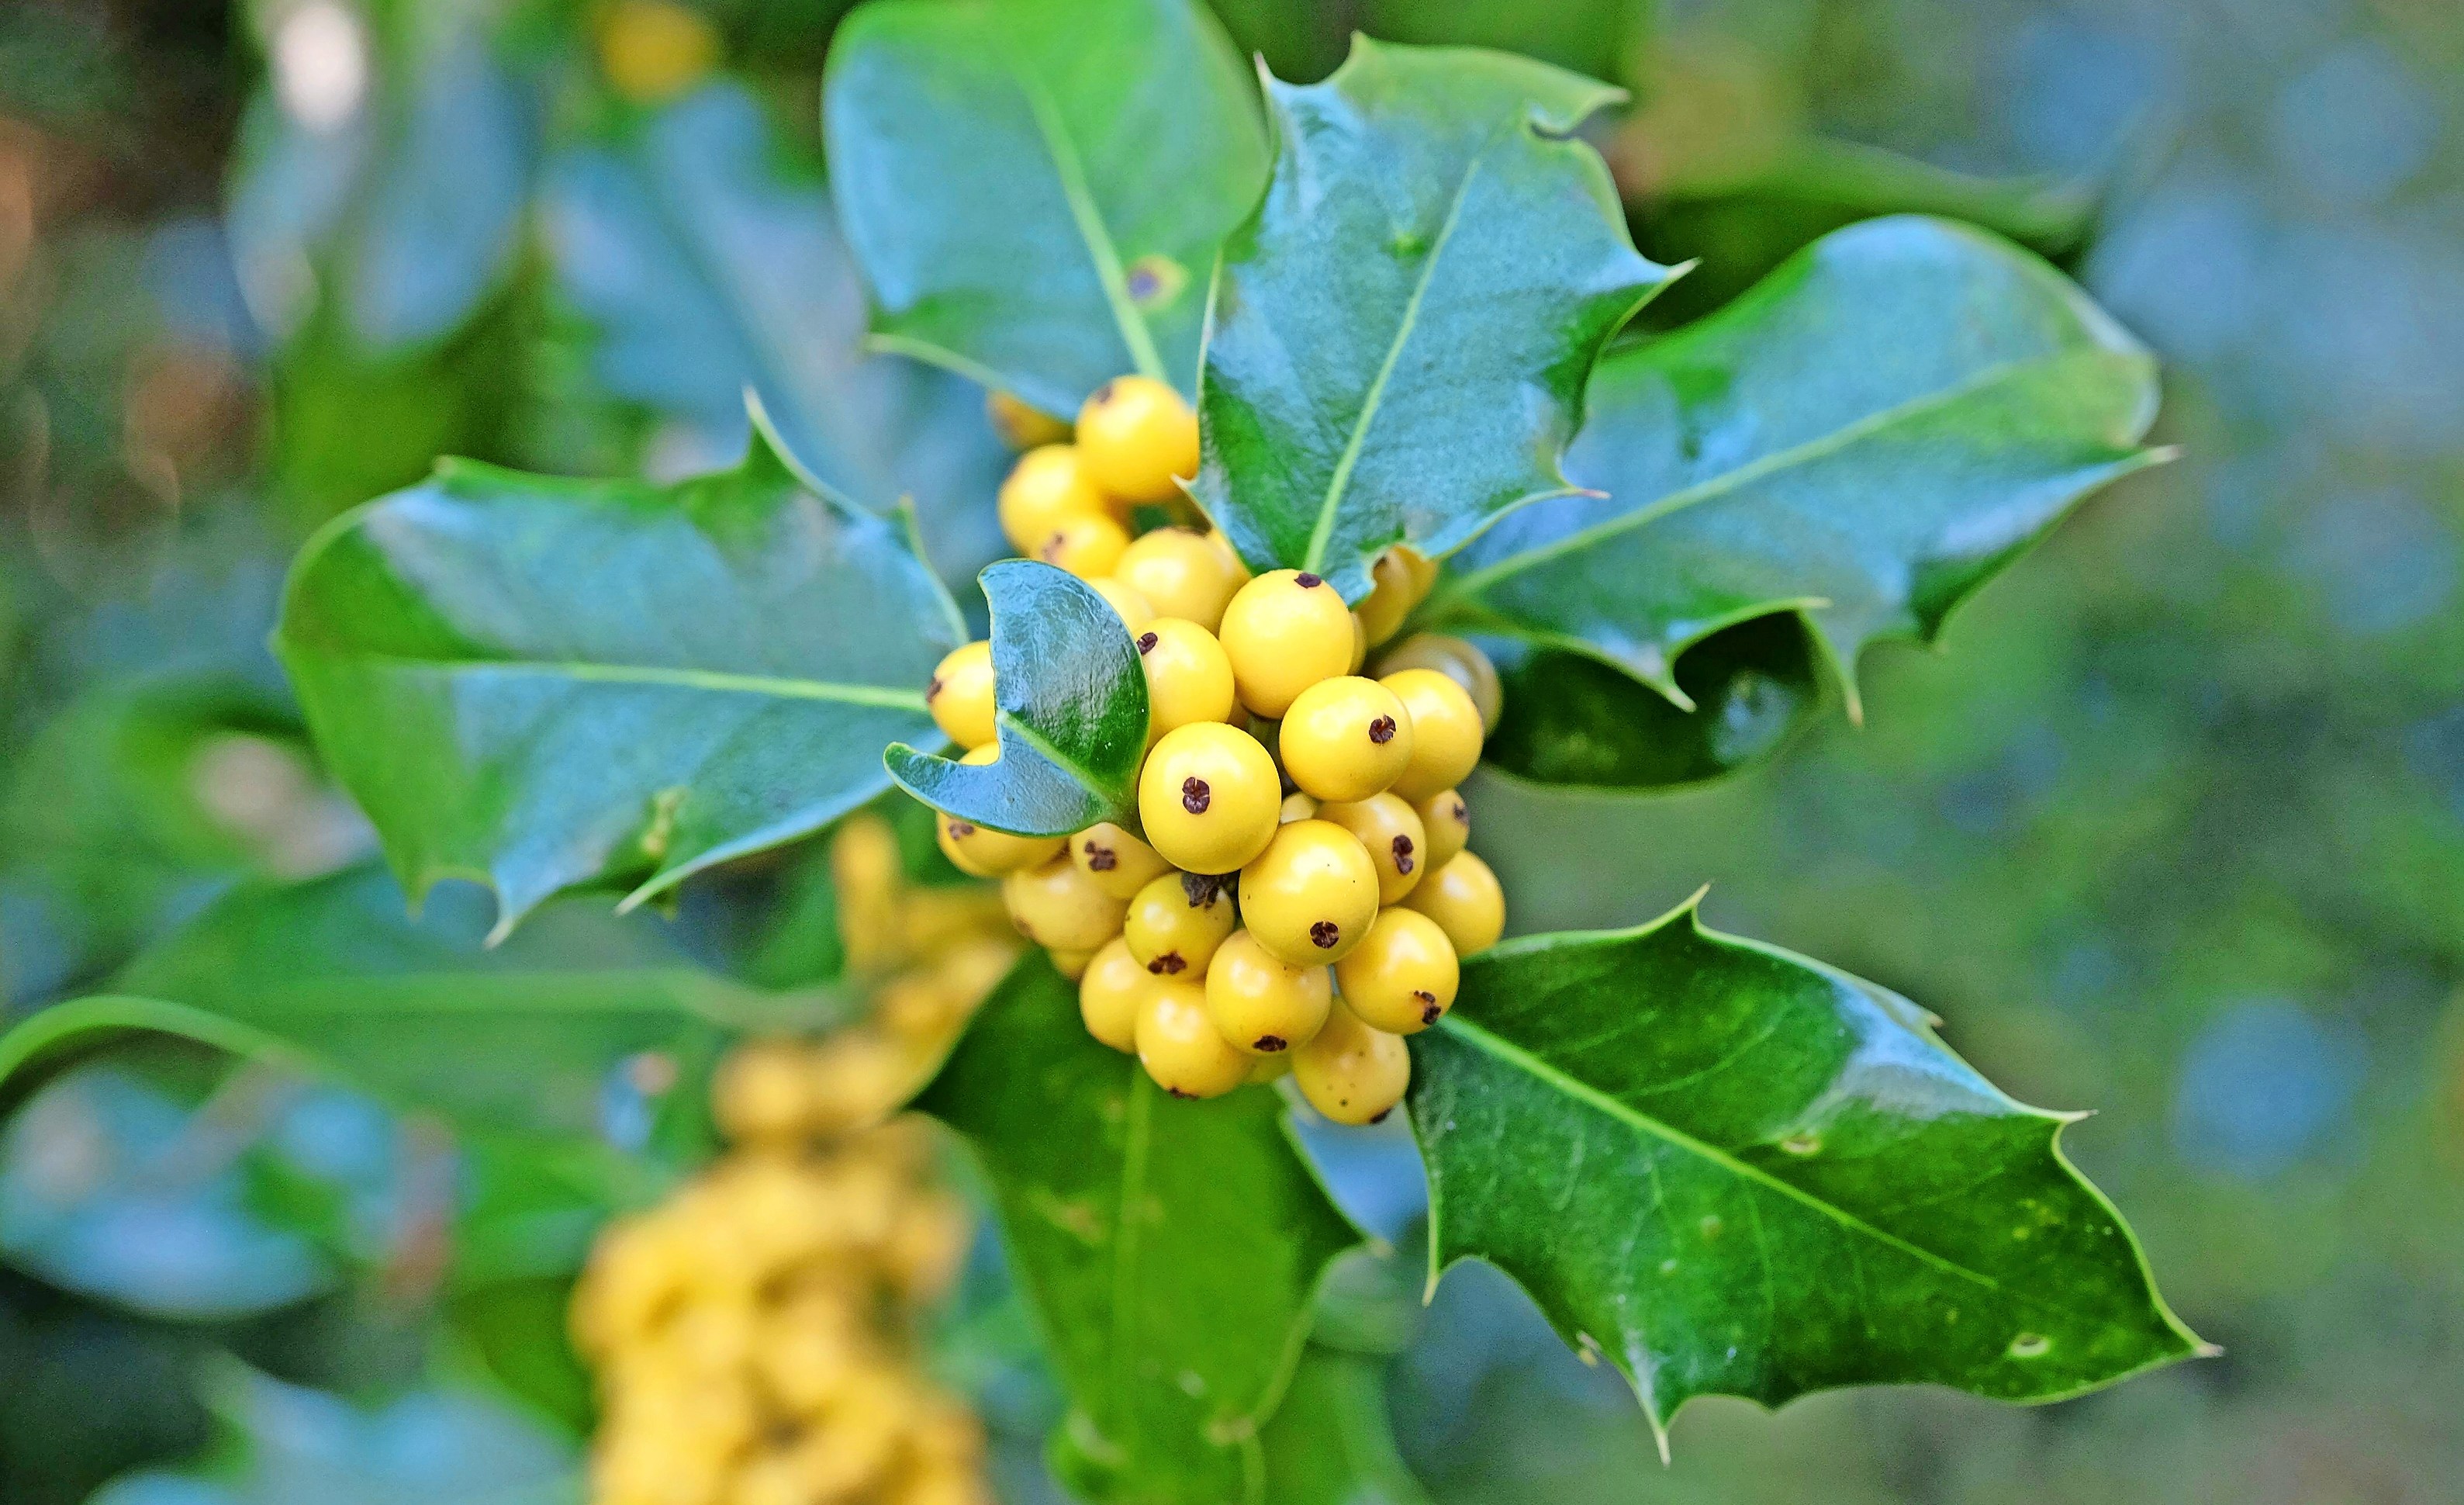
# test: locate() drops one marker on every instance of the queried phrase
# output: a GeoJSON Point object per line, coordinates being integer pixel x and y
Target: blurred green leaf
{"type": "Point", "coordinates": [1730, 1170]}
{"type": "Point", "coordinates": [1169, 1249]}
{"type": "Point", "coordinates": [1401, 332]}
{"type": "Point", "coordinates": [1111, 142]}
{"type": "Point", "coordinates": [1332, 1441]}
{"type": "Point", "coordinates": [554, 682]}
{"type": "Point", "coordinates": [1869, 437]}
{"type": "Point", "coordinates": [1073, 712]}
{"type": "Point", "coordinates": [703, 247]}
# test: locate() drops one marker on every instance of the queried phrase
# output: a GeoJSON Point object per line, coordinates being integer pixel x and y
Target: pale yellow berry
{"type": "Point", "coordinates": [1176, 923]}
{"type": "Point", "coordinates": [980, 851]}
{"type": "Point", "coordinates": [1403, 978]}
{"type": "Point", "coordinates": [1072, 963]}
{"type": "Point", "coordinates": [1208, 797]}
{"type": "Point", "coordinates": [1297, 807]}
{"type": "Point", "coordinates": [1047, 486]}
{"type": "Point", "coordinates": [1137, 436]}
{"type": "Point", "coordinates": [1181, 575]}
{"type": "Point", "coordinates": [1353, 1072]}
{"type": "Point", "coordinates": [1310, 897]}
{"type": "Point", "coordinates": [1056, 906]}
{"type": "Point", "coordinates": [1117, 862]}
{"type": "Point", "coordinates": [1447, 819]}
{"type": "Point", "coordinates": [1261, 1002]}
{"type": "Point", "coordinates": [1392, 832]}
{"type": "Point", "coordinates": [1021, 424]}
{"type": "Point", "coordinates": [760, 1093]}
{"type": "Point", "coordinates": [1345, 739]}
{"type": "Point", "coordinates": [1180, 1046]}
{"type": "Point", "coordinates": [961, 696]}
{"type": "Point", "coordinates": [652, 50]}
{"type": "Point", "coordinates": [1283, 631]}
{"type": "Point", "coordinates": [1445, 732]}
{"type": "Point", "coordinates": [1189, 679]}
{"type": "Point", "coordinates": [1111, 992]}
{"type": "Point", "coordinates": [1466, 900]}
{"type": "Point", "coordinates": [1457, 659]}
{"type": "Point", "coordinates": [1126, 602]}
{"type": "Point", "coordinates": [1268, 1068]}
{"type": "Point", "coordinates": [1088, 546]}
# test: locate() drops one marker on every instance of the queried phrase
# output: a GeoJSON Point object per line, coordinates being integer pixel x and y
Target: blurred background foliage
{"type": "Point", "coordinates": [2173, 827]}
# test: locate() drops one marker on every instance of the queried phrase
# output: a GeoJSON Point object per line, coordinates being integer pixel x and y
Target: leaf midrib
{"type": "Point", "coordinates": [1098, 236]}
{"type": "Point", "coordinates": [1531, 1065]}
{"type": "Point", "coordinates": [1322, 533]}
{"type": "Point", "coordinates": [1880, 421]}
{"type": "Point", "coordinates": [716, 681]}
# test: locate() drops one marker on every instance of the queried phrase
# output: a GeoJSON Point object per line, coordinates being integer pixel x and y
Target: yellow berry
{"type": "Point", "coordinates": [1345, 739]}
{"type": "Point", "coordinates": [1056, 906]}
{"type": "Point", "coordinates": [1447, 820]}
{"type": "Point", "coordinates": [1353, 1072]}
{"type": "Point", "coordinates": [1117, 862]}
{"type": "Point", "coordinates": [1188, 678]}
{"type": "Point", "coordinates": [1021, 424]}
{"type": "Point", "coordinates": [1464, 898]}
{"type": "Point", "coordinates": [1359, 645]}
{"type": "Point", "coordinates": [1445, 732]}
{"type": "Point", "coordinates": [1458, 661]}
{"type": "Point", "coordinates": [1231, 555]}
{"type": "Point", "coordinates": [1268, 1068]}
{"type": "Point", "coordinates": [1310, 895]}
{"type": "Point", "coordinates": [1047, 486]}
{"type": "Point", "coordinates": [1391, 597]}
{"type": "Point", "coordinates": [1111, 992]}
{"type": "Point", "coordinates": [1178, 1046]}
{"type": "Point", "coordinates": [1392, 833]}
{"type": "Point", "coordinates": [1177, 922]}
{"type": "Point", "coordinates": [1261, 1002]}
{"type": "Point", "coordinates": [1126, 602]}
{"type": "Point", "coordinates": [1284, 631]}
{"type": "Point", "coordinates": [980, 851]}
{"type": "Point", "coordinates": [961, 696]}
{"type": "Point", "coordinates": [1297, 807]}
{"type": "Point", "coordinates": [1403, 977]}
{"type": "Point", "coordinates": [1181, 575]}
{"type": "Point", "coordinates": [1071, 963]}
{"type": "Point", "coordinates": [1087, 545]}
{"type": "Point", "coordinates": [759, 1091]}
{"type": "Point", "coordinates": [1208, 797]}
{"type": "Point", "coordinates": [653, 51]}
{"type": "Point", "coordinates": [1137, 436]}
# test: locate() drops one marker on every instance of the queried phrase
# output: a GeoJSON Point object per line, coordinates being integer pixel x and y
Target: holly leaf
{"type": "Point", "coordinates": [535, 1036]}
{"type": "Point", "coordinates": [1401, 331]}
{"type": "Point", "coordinates": [1112, 141]}
{"type": "Point", "coordinates": [1071, 701]}
{"type": "Point", "coordinates": [1168, 1250]}
{"type": "Point", "coordinates": [550, 682]}
{"type": "Point", "coordinates": [702, 248]}
{"type": "Point", "coordinates": [1332, 1442]}
{"type": "Point", "coordinates": [1732, 1170]}
{"type": "Point", "coordinates": [1571, 720]}
{"type": "Point", "coordinates": [1870, 435]}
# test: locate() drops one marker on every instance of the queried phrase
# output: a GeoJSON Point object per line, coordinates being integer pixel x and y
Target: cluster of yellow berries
{"type": "Point", "coordinates": [1298, 895]}
{"type": "Point", "coordinates": [753, 1335]}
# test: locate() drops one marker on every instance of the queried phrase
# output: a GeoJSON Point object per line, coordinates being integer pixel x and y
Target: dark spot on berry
{"type": "Point", "coordinates": [1429, 1010]}
{"type": "Point", "coordinates": [933, 689]}
{"type": "Point", "coordinates": [1463, 816]}
{"type": "Point", "coordinates": [1381, 731]}
{"type": "Point", "coordinates": [960, 830]}
{"type": "Point", "coordinates": [1200, 889]}
{"type": "Point", "coordinates": [1168, 964]}
{"type": "Point", "coordinates": [1103, 859]}
{"type": "Point", "coordinates": [1307, 581]}
{"type": "Point", "coordinates": [1270, 1042]}
{"type": "Point", "coordinates": [1146, 643]}
{"type": "Point", "coordinates": [1380, 1117]}
{"type": "Point", "coordinates": [1051, 549]}
{"type": "Point", "coordinates": [1402, 853]}
{"type": "Point", "coordinates": [1195, 795]}
{"type": "Point", "coordinates": [1103, 393]}
{"type": "Point", "coordinates": [1177, 1093]}
{"type": "Point", "coordinates": [1325, 933]}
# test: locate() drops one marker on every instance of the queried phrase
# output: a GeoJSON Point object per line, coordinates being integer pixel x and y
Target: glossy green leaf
{"type": "Point", "coordinates": [1036, 189]}
{"type": "Point", "coordinates": [700, 245]}
{"type": "Point", "coordinates": [334, 979]}
{"type": "Point", "coordinates": [1571, 720]}
{"type": "Point", "coordinates": [547, 682]}
{"type": "Point", "coordinates": [1168, 1248]}
{"type": "Point", "coordinates": [1732, 1170]}
{"type": "Point", "coordinates": [1073, 712]}
{"type": "Point", "coordinates": [1869, 436]}
{"type": "Point", "coordinates": [1401, 331]}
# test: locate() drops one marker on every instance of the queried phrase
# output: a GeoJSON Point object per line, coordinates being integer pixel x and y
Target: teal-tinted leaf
{"type": "Point", "coordinates": [1072, 701]}
{"type": "Point", "coordinates": [703, 249]}
{"type": "Point", "coordinates": [1401, 334]}
{"type": "Point", "coordinates": [1168, 1248]}
{"type": "Point", "coordinates": [1572, 719]}
{"type": "Point", "coordinates": [332, 978]}
{"type": "Point", "coordinates": [1869, 435]}
{"type": "Point", "coordinates": [1730, 1170]}
{"type": "Point", "coordinates": [1035, 188]}
{"type": "Point", "coordinates": [547, 682]}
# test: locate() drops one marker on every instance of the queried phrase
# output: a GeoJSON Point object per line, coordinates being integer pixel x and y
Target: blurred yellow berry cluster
{"type": "Point", "coordinates": [753, 1336]}
{"type": "Point", "coordinates": [1297, 895]}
